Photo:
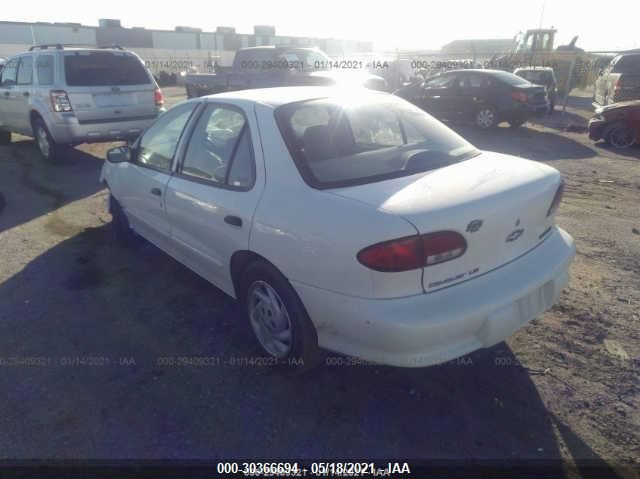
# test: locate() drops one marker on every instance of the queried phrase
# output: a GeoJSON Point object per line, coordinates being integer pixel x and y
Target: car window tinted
{"type": "Point", "coordinates": [25, 71]}
{"type": "Point", "coordinates": [628, 64]}
{"type": "Point", "coordinates": [158, 144]}
{"type": "Point", "coordinates": [44, 69]}
{"type": "Point", "coordinates": [510, 78]}
{"type": "Point", "coordinates": [441, 81]}
{"type": "Point", "coordinates": [104, 68]}
{"type": "Point", "coordinates": [213, 144]}
{"type": "Point", "coordinates": [367, 139]}
{"type": "Point", "coordinates": [9, 73]}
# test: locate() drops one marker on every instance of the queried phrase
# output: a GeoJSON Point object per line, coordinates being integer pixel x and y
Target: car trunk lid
{"type": "Point", "coordinates": [498, 203]}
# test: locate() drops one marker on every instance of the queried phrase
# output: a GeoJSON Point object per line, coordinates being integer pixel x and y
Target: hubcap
{"type": "Point", "coordinates": [269, 319]}
{"type": "Point", "coordinates": [485, 118]}
{"type": "Point", "coordinates": [43, 141]}
{"type": "Point", "coordinates": [622, 137]}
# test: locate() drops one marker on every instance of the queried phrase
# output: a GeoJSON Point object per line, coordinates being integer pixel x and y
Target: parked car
{"type": "Point", "coordinates": [617, 124]}
{"type": "Point", "coordinates": [544, 76]}
{"type": "Point", "coordinates": [484, 97]}
{"type": "Point", "coordinates": [270, 66]}
{"type": "Point", "coordinates": [346, 220]}
{"type": "Point", "coordinates": [619, 81]}
{"type": "Point", "coordinates": [64, 96]}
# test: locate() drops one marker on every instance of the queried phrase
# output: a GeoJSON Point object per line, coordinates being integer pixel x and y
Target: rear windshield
{"type": "Point", "coordinates": [536, 76]}
{"type": "Point", "coordinates": [339, 142]}
{"type": "Point", "coordinates": [628, 64]}
{"type": "Point", "coordinates": [104, 68]}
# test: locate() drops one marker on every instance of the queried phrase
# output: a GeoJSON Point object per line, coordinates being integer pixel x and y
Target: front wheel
{"type": "Point", "coordinates": [620, 135]}
{"type": "Point", "coordinates": [121, 227]}
{"type": "Point", "coordinates": [485, 118]}
{"type": "Point", "coordinates": [278, 318]}
{"type": "Point", "coordinates": [48, 148]}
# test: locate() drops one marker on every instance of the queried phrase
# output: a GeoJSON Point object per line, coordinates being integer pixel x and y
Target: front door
{"type": "Point", "coordinates": [143, 181]}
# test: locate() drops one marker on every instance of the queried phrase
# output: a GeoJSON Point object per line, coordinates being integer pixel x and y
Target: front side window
{"type": "Point", "coordinates": [219, 149]}
{"type": "Point", "coordinates": [158, 145]}
{"type": "Point", "coordinates": [25, 71]}
{"type": "Point", "coordinates": [44, 69]}
{"type": "Point", "coordinates": [339, 142]}
{"type": "Point", "coordinates": [9, 73]}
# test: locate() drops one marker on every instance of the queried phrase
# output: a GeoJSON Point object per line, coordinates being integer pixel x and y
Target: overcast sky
{"type": "Point", "coordinates": [418, 24]}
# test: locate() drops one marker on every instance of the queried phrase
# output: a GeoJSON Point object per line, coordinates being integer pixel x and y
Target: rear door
{"type": "Point", "coordinates": [108, 85]}
{"type": "Point", "coordinates": [22, 93]}
{"type": "Point", "coordinates": [8, 80]}
{"type": "Point", "coordinates": [212, 198]}
{"type": "Point", "coordinates": [140, 186]}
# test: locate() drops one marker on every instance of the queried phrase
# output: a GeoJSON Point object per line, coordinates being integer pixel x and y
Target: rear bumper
{"type": "Point", "coordinates": [433, 328]}
{"type": "Point", "coordinates": [68, 130]}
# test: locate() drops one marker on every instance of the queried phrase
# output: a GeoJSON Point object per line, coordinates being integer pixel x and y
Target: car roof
{"type": "Point", "coordinates": [275, 97]}
{"type": "Point", "coordinates": [533, 69]}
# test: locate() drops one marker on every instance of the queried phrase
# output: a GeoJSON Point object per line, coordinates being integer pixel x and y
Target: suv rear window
{"type": "Point", "coordinates": [338, 142]}
{"type": "Point", "coordinates": [104, 68]}
{"type": "Point", "coordinates": [628, 64]}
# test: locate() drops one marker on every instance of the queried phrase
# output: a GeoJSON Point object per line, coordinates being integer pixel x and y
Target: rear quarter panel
{"type": "Point", "coordinates": [313, 236]}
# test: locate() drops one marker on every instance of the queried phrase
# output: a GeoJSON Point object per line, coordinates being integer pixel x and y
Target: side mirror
{"type": "Point", "coordinates": [119, 154]}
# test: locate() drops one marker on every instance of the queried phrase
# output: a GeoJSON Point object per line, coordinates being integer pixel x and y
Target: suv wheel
{"type": "Point", "coordinates": [47, 147]}
{"type": "Point", "coordinates": [5, 137]}
{"type": "Point", "coordinates": [278, 318]}
{"type": "Point", "coordinates": [620, 135]}
{"type": "Point", "coordinates": [485, 118]}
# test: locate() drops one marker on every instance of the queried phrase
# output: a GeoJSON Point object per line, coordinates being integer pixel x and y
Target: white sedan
{"type": "Point", "coordinates": [346, 220]}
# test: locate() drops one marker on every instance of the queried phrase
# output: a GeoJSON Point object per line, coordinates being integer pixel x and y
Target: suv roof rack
{"type": "Point", "coordinates": [45, 46]}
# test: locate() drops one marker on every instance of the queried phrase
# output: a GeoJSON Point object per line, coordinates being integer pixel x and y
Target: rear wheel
{"type": "Point", "coordinates": [48, 148]}
{"type": "Point", "coordinates": [278, 318]}
{"type": "Point", "coordinates": [516, 122]}
{"type": "Point", "coordinates": [620, 135]}
{"type": "Point", "coordinates": [485, 118]}
{"type": "Point", "coordinates": [5, 137]}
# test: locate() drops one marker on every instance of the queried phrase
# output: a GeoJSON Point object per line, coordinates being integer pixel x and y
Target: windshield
{"type": "Point", "coordinates": [91, 68]}
{"type": "Point", "coordinates": [341, 142]}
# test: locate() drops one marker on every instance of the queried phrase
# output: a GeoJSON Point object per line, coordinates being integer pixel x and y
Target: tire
{"type": "Point", "coordinates": [121, 227]}
{"type": "Point", "coordinates": [485, 118]}
{"type": "Point", "coordinates": [516, 122]}
{"type": "Point", "coordinates": [272, 306]}
{"type": "Point", "coordinates": [5, 137]}
{"type": "Point", "coordinates": [47, 147]}
{"type": "Point", "coordinates": [620, 135]}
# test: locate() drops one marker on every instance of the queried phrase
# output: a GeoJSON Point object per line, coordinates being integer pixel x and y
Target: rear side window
{"type": "Point", "coordinates": [346, 141]}
{"type": "Point", "coordinates": [25, 71]}
{"type": "Point", "coordinates": [104, 69]}
{"type": "Point", "coordinates": [44, 69]}
{"type": "Point", "coordinates": [9, 73]}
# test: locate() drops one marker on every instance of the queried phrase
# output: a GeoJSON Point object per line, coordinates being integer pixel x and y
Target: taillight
{"type": "Point", "coordinates": [413, 252]}
{"type": "Point", "coordinates": [158, 97]}
{"type": "Point", "coordinates": [557, 198]}
{"type": "Point", "coordinates": [60, 101]}
{"type": "Point", "coordinates": [520, 96]}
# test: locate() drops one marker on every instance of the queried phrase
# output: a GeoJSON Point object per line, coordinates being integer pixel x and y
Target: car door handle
{"type": "Point", "coordinates": [233, 220]}
{"type": "Point", "coordinates": [156, 191]}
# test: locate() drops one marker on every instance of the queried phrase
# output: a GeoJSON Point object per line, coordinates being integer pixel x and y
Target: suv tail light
{"type": "Point", "coordinates": [520, 96]}
{"type": "Point", "coordinates": [557, 198]}
{"type": "Point", "coordinates": [158, 97]}
{"type": "Point", "coordinates": [413, 252]}
{"type": "Point", "coordinates": [60, 101]}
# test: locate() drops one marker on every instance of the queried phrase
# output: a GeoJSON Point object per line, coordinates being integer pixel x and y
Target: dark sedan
{"type": "Point", "coordinates": [484, 97]}
{"type": "Point", "coordinates": [617, 124]}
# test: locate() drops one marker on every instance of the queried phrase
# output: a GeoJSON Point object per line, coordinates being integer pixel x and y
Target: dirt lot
{"type": "Point", "coordinates": [86, 325]}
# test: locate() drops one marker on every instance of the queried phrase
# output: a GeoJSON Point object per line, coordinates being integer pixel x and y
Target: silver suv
{"type": "Point", "coordinates": [66, 96]}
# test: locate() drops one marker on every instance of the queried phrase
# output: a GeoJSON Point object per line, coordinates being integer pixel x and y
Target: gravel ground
{"type": "Point", "coordinates": [88, 329]}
